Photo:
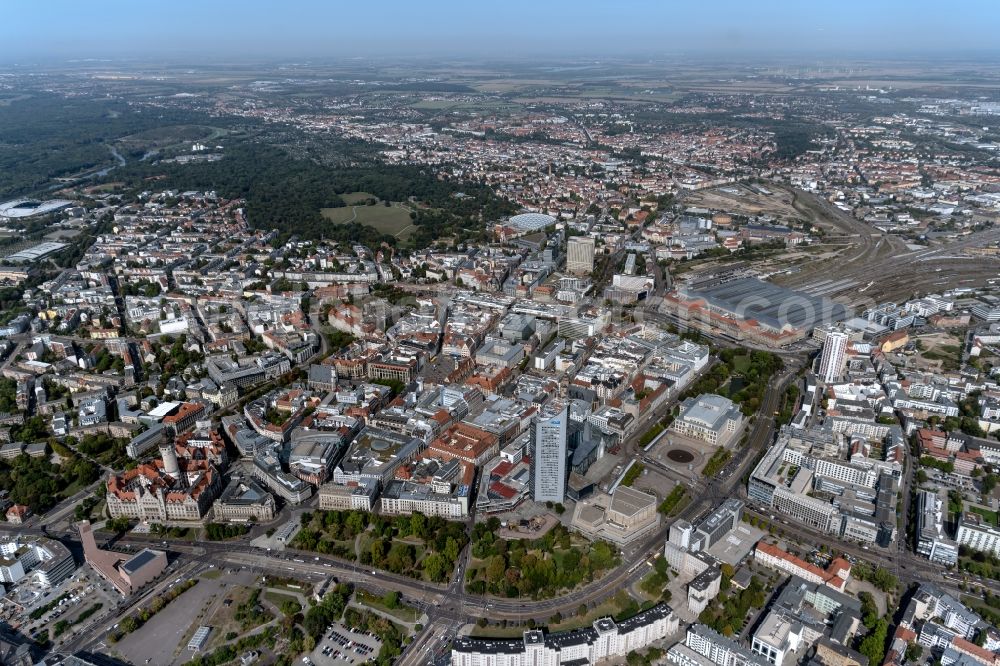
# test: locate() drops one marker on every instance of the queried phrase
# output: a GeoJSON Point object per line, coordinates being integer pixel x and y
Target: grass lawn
{"type": "Point", "coordinates": [388, 220]}
{"type": "Point", "coordinates": [349, 544]}
{"type": "Point", "coordinates": [289, 586]}
{"type": "Point", "coordinates": [675, 501]}
{"type": "Point", "coordinates": [404, 613]}
{"type": "Point", "coordinates": [651, 434]}
{"type": "Point", "coordinates": [474, 563]}
{"type": "Point", "coordinates": [499, 632]}
{"type": "Point", "coordinates": [173, 135]}
{"type": "Point", "coordinates": [420, 550]}
{"type": "Point", "coordinates": [558, 556]}
{"type": "Point", "coordinates": [741, 363]}
{"type": "Point", "coordinates": [988, 516]}
{"type": "Point", "coordinates": [970, 600]}
{"type": "Point", "coordinates": [512, 630]}
{"type": "Point", "coordinates": [98, 509]}
{"type": "Point", "coordinates": [73, 489]}
{"type": "Point", "coordinates": [278, 598]}
{"type": "Point", "coordinates": [652, 585]}
{"type": "Point", "coordinates": [355, 198]}
{"type": "Point", "coordinates": [222, 620]}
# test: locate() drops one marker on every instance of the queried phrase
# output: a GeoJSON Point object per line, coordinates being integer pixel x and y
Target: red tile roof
{"type": "Point", "coordinates": [502, 470]}
{"type": "Point", "coordinates": [502, 490]}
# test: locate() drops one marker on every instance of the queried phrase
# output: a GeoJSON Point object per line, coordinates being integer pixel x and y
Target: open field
{"type": "Point", "coordinates": [570, 94]}
{"type": "Point", "coordinates": [103, 187]}
{"type": "Point", "coordinates": [403, 612]}
{"type": "Point", "coordinates": [164, 137]}
{"type": "Point", "coordinates": [741, 200]}
{"type": "Point", "coordinates": [215, 601]}
{"type": "Point", "coordinates": [356, 198]}
{"type": "Point", "coordinates": [160, 639]}
{"type": "Point", "coordinates": [943, 347]}
{"type": "Point", "coordinates": [434, 104]}
{"type": "Point", "coordinates": [392, 220]}
{"type": "Point", "coordinates": [947, 343]}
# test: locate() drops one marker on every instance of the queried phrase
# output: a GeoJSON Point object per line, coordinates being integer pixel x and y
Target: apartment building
{"type": "Point", "coordinates": [976, 532]}
{"type": "Point", "coordinates": [703, 588]}
{"type": "Point", "coordinates": [604, 640]}
{"type": "Point", "coordinates": [704, 646]}
{"type": "Point", "coordinates": [932, 539]}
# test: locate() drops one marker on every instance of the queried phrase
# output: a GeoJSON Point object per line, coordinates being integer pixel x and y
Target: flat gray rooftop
{"type": "Point", "coordinates": [770, 304]}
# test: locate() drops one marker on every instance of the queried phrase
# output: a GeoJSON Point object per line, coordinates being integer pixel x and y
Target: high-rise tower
{"type": "Point", "coordinates": [834, 356]}
{"type": "Point", "coordinates": [580, 255]}
{"type": "Point", "coordinates": [549, 464]}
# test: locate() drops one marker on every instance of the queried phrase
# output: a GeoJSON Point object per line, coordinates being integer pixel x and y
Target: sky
{"type": "Point", "coordinates": [267, 29]}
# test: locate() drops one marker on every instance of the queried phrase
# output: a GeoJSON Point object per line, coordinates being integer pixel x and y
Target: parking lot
{"type": "Point", "coordinates": [340, 646]}
{"type": "Point", "coordinates": [161, 639]}
{"type": "Point", "coordinates": [83, 590]}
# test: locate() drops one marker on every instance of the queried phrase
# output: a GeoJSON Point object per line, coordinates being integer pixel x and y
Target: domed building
{"type": "Point", "coordinates": [531, 221]}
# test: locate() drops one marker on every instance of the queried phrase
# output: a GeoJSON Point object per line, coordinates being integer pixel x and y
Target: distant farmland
{"type": "Point", "coordinates": [393, 220]}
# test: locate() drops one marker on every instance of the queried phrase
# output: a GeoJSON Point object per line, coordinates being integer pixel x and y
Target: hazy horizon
{"type": "Point", "coordinates": [255, 30]}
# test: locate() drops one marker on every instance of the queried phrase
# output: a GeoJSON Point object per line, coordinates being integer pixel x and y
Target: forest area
{"type": "Point", "coordinates": [286, 176]}
{"type": "Point", "coordinates": [287, 193]}
{"type": "Point", "coordinates": [45, 136]}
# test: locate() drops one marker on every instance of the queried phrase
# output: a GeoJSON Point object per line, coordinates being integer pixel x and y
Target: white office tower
{"type": "Point", "coordinates": [580, 255]}
{"type": "Point", "coordinates": [680, 533]}
{"type": "Point", "coordinates": [548, 467]}
{"type": "Point", "coordinates": [831, 362]}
